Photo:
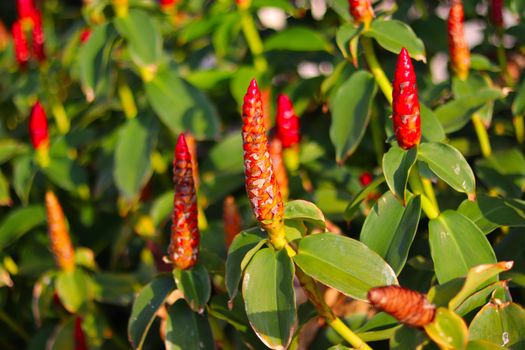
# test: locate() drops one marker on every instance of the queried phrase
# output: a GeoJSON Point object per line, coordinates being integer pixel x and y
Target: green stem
{"type": "Point", "coordinates": [430, 208]}
{"type": "Point", "coordinates": [519, 127]}
{"type": "Point", "coordinates": [483, 137]}
{"type": "Point", "coordinates": [218, 335]}
{"type": "Point", "coordinates": [253, 39]}
{"type": "Point", "coordinates": [502, 59]}
{"type": "Point", "coordinates": [375, 68]}
{"type": "Point", "coordinates": [348, 335]}
{"type": "Point", "coordinates": [15, 327]}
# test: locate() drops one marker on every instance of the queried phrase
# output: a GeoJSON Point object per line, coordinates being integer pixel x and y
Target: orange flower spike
{"type": "Point", "coordinates": [407, 306]}
{"type": "Point", "coordinates": [231, 219]}
{"type": "Point", "coordinates": [61, 245]}
{"type": "Point", "coordinates": [276, 154]}
{"type": "Point", "coordinates": [459, 51]}
{"type": "Point", "coordinates": [362, 11]}
{"type": "Point", "coordinates": [261, 185]}
{"type": "Point", "coordinates": [183, 250]}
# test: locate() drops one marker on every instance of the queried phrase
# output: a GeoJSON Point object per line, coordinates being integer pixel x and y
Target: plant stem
{"type": "Point", "coordinates": [430, 208]}
{"type": "Point", "coordinates": [519, 127]}
{"type": "Point", "coordinates": [378, 135]}
{"type": "Point", "coordinates": [375, 68]}
{"type": "Point", "coordinates": [253, 39]}
{"type": "Point", "coordinates": [15, 327]}
{"type": "Point", "coordinates": [348, 335]}
{"type": "Point", "coordinates": [502, 59]}
{"type": "Point", "coordinates": [61, 118]}
{"type": "Point", "coordinates": [483, 136]}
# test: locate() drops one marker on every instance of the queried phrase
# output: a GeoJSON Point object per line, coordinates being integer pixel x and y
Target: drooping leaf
{"type": "Point", "coordinates": [297, 39]}
{"type": "Point", "coordinates": [448, 330]}
{"type": "Point", "coordinates": [73, 289]}
{"type": "Point", "coordinates": [195, 285]}
{"type": "Point", "coordinates": [361, 196]}
{"type": "Point", "coordinates": [397, 164]}
{"type": "Point", "coordinates": [303, 210]}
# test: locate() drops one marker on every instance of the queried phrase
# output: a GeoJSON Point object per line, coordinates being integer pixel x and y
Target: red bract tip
{"type": "Point", "coordinates": [167, 2]}
{"type": "Point", "coordinates": [85, 34]}
{"type": "Point", "coordinates": [38, 129]}
{"type": "Point", "coordinates": [405, 105]}
{"type": "Point", "coordinates": [25, 8]}
{"type": "Point", "coordinates": [20, 43]}
{"type": "Point", "coordinates": [287, 122]}
{"type": "Point", "coordinates": [181, 149]}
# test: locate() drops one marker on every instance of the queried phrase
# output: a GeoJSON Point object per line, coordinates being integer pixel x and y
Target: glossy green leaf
{"type": "Point", "coordinates": [361, 196]}
{"type": "Point", "coordinates": [143, 35]}
{"type": "Point", "coordinates": [518, 104]}
{"type": "Point", "coordinates": [240, 82]}
{"type": "Point", "coordinates": [448, 330]}
{"type": "Point", "coordinates": [477, 278]}
{"type": "Point", "coordinates": [297, 39]}
{"type": "Point", "coordinates": [343, 263]}
{"type": "Point", "coordinates": [396, 168]}
{"type": "Point", "coordinates": [269, 297]}
{"type": "Point", "coordinates": [145, 307]}
{"type": "Point", "coordinates": [407, 338]}
{"type": "Point", "coordinates": [241, 245]}
{"type": "Point", "coordinates": [303, 210]}
{"type": "Point", "coordinates": [393, 35]}
{"type": "Point", "coordinates": [484, 345]}
{"type": "Point", "coordinates": [195, 285]}
{"type": "Point", "coordinates": [449, 165]}
{"type": "Point", "coordinates": [73, 289]}
{"type": "Point", "coordinates": [180, 106]}
{"type": "Point", "coordinates": [475, 301]}
{"type": "Point", "coordinates": [224, 156]}
{"type": "Point", "coordinates": [67, 174]}
{"type": "Point", "coordinates": [489, 213]}
{"type": "Point", "coordinates": [20, 221]}
{"type": "Point", "coordinates": [186, 329]}
{"type": "Point", "coordinates": [431, 128]}
{"type": "Point", "coordinates": [347, 38]}
{"type": "Point", "coordinates": [482, 63]}
{"type": "Point", "coordinates": [23, 174]}
{"type": "Point", "coordinates": [503, 171]}
{"type": "Point", "coordinates": [136, 142]}
{"type": "Point", "coordinates": [456, 245]}
{"type": "Point", "coordinates": [351, 108]}
{"type": "Point", "coordinates": [500, 323]}
{"type": "Point", "coordinates": [390, 228]}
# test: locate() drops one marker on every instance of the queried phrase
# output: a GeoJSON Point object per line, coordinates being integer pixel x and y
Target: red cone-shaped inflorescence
{"type": "Point", "coordinates": [261, 184]}
{"type": "Point", "coordinates": [361, 10]}
{"type": "Point", "coordinates": [38, 129]}
{"type": "Point", "coordinates": [405, 105]}
{"type": "Point", "coordinates": [20, 42]}
{"type": "Point", "coordinates": [276, 155]}
{"type": "Point", "coordinates": [25, 9]}
{"type": "Point", "coordinates": [459, 51]}
{"type": "Point", "coordinates": [407, 306]}
{"type": "Point", "coordinates": [496, 13]}
{"type": "Point", "coordinates": [184, 246]}
{"type": "Point", "coordinates": [38, 37]}
{"type": "Point", "coordinates": [287, 122]}
{"type": "Point", "coordinates": [231, 219]}
{"type": "Point", "coordinates": [61, 245]}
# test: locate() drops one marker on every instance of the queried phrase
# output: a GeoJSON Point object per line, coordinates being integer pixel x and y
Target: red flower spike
{"type": "Point", "coordinates": [276, 155]}
{"type": "Point", "coordinates": [192, 147]}
{"type": "Point", "coordinates": [231, 219]}
{"type": "Point", "coordinates": [287, 122]}
{"type": "Point", "coordinates": [183, 250]}
{"type": "Point", "coordinates": [84, 35]}
{"type": "Point", "coordinates": [20, 43]}
{"type": "Point", "coordinates": [459, 51]}
{"type": "Point", "coordinates": [25, 9]}
{"type": "Point", "coordinates": [61, 245]}
{"type": "Point", "coordinates": [261, 185]}
{"type": "Point", "coordinates": [407, 306]}
{"type": "Point", "coordinates": [38, 130]}
{"type": "Point", "coordinates": [80, 337]}
{"type": "Point", "coordinates": [38, 37]}
{"type": "Point", "coordinates": [405, 105]}
{"type": "Point", "coordinates": [496, 13]}
{"type": "Point", "coordinates": [361, 10]}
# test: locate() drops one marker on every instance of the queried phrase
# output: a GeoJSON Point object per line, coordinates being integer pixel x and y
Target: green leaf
{"type": "Point", "coordinates": [195, 285]}
{"type": "Point", "coordinates": [449, 165]}
{"type": "Point", "coordinates": [477, 278]}
{"type": "Point", "coordinates": [456, 245]}
{"type": "Point", "coordinates": [303, 210]}
{"type": "Point", "coordinates": [5, 195]}
{"type": "Point", "coordinates": [145, 307]}
{"type": "Point", "coordinates": [297, 39]}
{"type": "Point", "coordinates": [396, 168]}
{"type": "Point", "coordinates": [407, 338]}
{"type": "Point", "coordinates": [503, 171]}
{"type": "Point", "coordinates": [500, 323]}
{"type": "Point", "coordinates": [132, 167]}
{"type": "Point", "coordinates": [448, 330]}
{"type": "Point", "coordinates": [180, 106]}
{"type": "Point", "coordinates": [431, 128]}
{"type": "Point", "coordinates": [67, 174]}
{"type": "Point", "coordinates": [390, 228]}
{"type": "Point", "coordinates": [475, 301]}
{"type": "Point", "coordinates": [518, 104]}
{"type": "Point", "coordinates": [343, 263]}
{"type": "Point", "coordinates": [186, 329]}
{"type": "Point", "coordinates": [351, 108]}
{"type": "Point", "coordinates": [10, 148]}
{"type": "Point", "coordinates": [23, 174]}
{"type": "Point", "coordinates": [224, 156]}
{"type": "Point", "coordinates": [489, 213]}
{"type": "Point", "coordinates": [483, 345]}
{"type": "Point", "coordinates": [241, 245]}
{"type": "Point", "coordinates": [114, 288]}
{"type": "Point", "coordinates": [143, 35]}
{"type": "Point", "coordinates": [240, 82]}
{"type": "Point", "coordinates": [393, 35]}
{"type": "Point", "coordinates": [269, 297]}
{"type": "Point", "coordinates": [63, 337]}
{"type": "Point", "coordinates": [361, 196]}
{"type": "Point", "coordinates": [347, 38]}
{"type": "Point", "coordinates": [20, 221]}
{"type": "Point", "coordinates": [72, 288]}
{"type": "Point", "coordinates": [482, 63]}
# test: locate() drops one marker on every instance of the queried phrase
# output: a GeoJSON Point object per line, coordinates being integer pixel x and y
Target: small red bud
{"type": "Point", "coordinates": [361, 10]}
{"type": "Point", "coordinates": [459, 51]}
{"type": "Point", "coordinates": [38, 129]}
{"type": "Point", "coordinates": [365, 179]}
{"type": "Point", "coordinates": [405, 105]}
{"type": "Point", "coordinates": [287, 122]}
{"type": "Point", "coordinates": [20, 43]}
{"type": "Point", "coordinates": [84, 35]}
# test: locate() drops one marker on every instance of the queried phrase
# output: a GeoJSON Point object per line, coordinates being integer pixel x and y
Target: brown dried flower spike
{"type": "Point", "coordinates": [407, 306]}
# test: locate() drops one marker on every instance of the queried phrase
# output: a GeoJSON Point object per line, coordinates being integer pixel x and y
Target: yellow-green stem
{"type": "Point", "coordinates": [348, 335]}
{"type": "Point", "coordinates": [429, 191]}
{"type": "Point", "coordinates": [483, 137]}
{"type": "Point", "coordinates": [60, 117]}
{"type": "Point", "coordinates": [375, 68]}
{"type": "Point", "coordinates": [253, 39]}
{"type": "Point", "coordinates": [519, 128]}
{"type": "Point", "coordinates": [502, 59]}
{"type": "Point", "coordinates": [430, 208]}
